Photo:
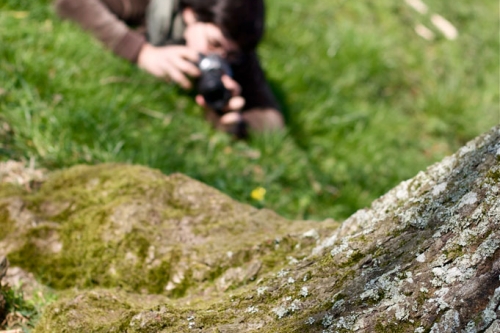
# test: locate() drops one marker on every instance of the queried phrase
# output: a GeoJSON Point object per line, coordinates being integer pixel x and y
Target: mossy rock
{"type": "Point", "coordinates": [134, 228]}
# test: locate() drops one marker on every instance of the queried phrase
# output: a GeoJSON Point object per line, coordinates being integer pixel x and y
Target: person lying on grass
{"type": "Point", "coordinates": [169, 37]}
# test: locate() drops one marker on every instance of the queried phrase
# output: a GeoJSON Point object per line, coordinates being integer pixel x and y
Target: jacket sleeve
{"type": "Point", "coordinates": [254, 86]}
{"type": "Point", "coordinates": [100, 18]}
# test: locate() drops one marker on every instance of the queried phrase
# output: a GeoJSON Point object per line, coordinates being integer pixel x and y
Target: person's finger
{"type": "Point", "coordinates": [236, 103]}
{"type": "Point", "coordinates": [231, 85]}
{"type": "Point", "coordinates": [200, 101]}
{"type": "Point", "coordinates": [187, 67]}
{"type": "Point", "coordinates": [182, 80]}
{"type": "Point", "coordinates": [189, 54]}
{"type": "Point", "coordinates": [176, 75]}
{"type": "Point", "coordinates": [230, 118]}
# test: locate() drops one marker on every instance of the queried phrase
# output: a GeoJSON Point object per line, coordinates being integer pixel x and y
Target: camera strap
{"type": "Point", "coordinates": [164, 22]}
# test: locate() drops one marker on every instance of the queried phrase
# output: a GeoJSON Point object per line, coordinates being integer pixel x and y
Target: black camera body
{"type": "Point", "coordinates": [210, 84]}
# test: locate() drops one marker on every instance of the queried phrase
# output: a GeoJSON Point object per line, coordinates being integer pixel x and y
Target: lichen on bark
{"type": "Point", "coordinates": [154, 253]}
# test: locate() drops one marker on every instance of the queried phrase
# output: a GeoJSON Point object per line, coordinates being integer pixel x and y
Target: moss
{"type": "Point", "coordinates": [158, 277]}
{"type": "Point", "coordinates": [396, 232]}
{"type": "Point", "coordinates": [86, 186]}
{"type": "Point", "coordinates": [137, 241]}
{"type": "Point", "coordinates": [349, 274]}
{"type": "Point", "coordinates": [112, 216]}
{"type": "Point", "coordinates": [98, 312]}
{"type": "Point", "coordinates": [454, 252]}
{"type": "Point", "coordinates": [116, 228]}
{"type": "Point", "coordinates": [88, 258]}
{"type": "Point", "coordinates": [421, 299]}
{"type": "Point", "coordinates": [181, 289]}
{"type": "Point", "coordinates": [363, 239]}
{"type": "Point", "coordinates": [338, 297]}
{"type": "Point", "coordinates": [273, 255]}
{"type": "Point", "coordinates": [494, 175]}
{"type": "Point", "coordinates": [353, 259]}
{"type": "Point", "coordinates": [31, 257]}
{"type": "Point", "coordinates": [8, 190]}
{"type": "Point", "coordinates": [6, 224]}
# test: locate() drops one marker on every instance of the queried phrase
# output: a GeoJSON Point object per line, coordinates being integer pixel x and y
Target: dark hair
{"type": "Point", "coordinates": [240, 20]}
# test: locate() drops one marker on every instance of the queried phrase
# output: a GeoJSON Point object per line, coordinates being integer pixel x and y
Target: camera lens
{"type": "Point", "coordinates": [210, 84]}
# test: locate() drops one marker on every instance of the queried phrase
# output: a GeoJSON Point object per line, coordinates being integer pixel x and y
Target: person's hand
{"type": "Point", "coordinates": [234, 105]}
{"type": "Point", "coordinates": [173, 62]}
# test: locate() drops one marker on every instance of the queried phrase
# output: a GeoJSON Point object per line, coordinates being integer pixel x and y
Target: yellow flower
{"type": "Point", "coordinates": [258, 193]}
{"type": "Point", "coordinates": [19, 14]}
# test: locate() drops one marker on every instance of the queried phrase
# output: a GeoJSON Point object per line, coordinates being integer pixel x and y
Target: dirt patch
{"type": "Point", "coordinates": [22, 174]}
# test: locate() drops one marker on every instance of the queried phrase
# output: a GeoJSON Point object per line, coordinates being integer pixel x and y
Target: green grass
{"type": "Point", "coordinates": [21, 313]}
{"type": "Point", "coordinates": [369, 103]}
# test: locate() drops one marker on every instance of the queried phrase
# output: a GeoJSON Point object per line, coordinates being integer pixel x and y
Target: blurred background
{"type": "Point", "coordinates": [373, 92]}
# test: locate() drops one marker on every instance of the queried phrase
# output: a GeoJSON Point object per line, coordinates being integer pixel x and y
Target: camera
{"type": "Point", "coordinates": [209, 83]}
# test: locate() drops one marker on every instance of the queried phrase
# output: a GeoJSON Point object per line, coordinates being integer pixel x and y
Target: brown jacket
{"type": "Point", "coordinates": [110, 21]}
